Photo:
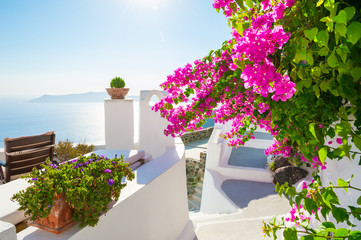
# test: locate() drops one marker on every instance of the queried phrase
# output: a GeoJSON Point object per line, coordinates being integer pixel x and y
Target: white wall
{"type": "Point", "coordinates": [344, 169]}
{"type": "Point", "coordinates": [153, 206]}
{"type": "Point", "coordinates": [217, 170]}
{"type": "Point", "coordinates": [151, 126]}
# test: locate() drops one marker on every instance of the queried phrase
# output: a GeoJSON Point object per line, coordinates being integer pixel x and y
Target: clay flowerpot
{"type": "Point", "coordinates": [117, 93]}
{"type": "Point", "coordinates": [59, 219]}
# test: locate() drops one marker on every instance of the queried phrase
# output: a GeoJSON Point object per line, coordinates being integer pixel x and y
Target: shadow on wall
{"type": "Point", "coordinates": [243, 192]}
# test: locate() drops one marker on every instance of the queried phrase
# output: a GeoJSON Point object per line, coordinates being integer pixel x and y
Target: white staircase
{"type": "Point", "coordinates": [194, 201]}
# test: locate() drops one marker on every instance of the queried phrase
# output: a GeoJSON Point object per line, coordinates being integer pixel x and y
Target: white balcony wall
{"type": "Point", "coordinates": [152, 206]}
{"type": "Point", "coordinates": [151, 126]}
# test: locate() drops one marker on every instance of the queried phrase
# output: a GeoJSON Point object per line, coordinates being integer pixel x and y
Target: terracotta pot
{"type": "Point", "coordinates": [117, 93]}
{"type": "Point", "coordinates": [60, 217]}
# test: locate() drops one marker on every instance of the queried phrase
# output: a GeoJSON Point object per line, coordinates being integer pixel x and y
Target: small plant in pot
{"type": "Point", "coordinates": [117, 90]}
{"type": "Point", "coordinates": [85, 186]}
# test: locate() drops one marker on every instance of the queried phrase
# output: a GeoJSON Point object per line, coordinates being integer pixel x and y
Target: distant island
{"type": "Point", "coordinates": [80, 97]}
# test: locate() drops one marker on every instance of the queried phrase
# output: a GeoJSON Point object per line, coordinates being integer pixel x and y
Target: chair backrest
{"type": "Point", "coordinates": [24, 153]}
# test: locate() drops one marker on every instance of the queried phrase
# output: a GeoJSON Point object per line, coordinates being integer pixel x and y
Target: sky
{"type": "Point", "coordinates": [75, 46]}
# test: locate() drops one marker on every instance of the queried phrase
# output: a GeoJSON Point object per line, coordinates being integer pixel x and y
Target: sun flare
{"type": "Point", "coordinates": [150, 4]}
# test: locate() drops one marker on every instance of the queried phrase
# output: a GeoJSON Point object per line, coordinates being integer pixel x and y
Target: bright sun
{"type": "Point", "coordinates": [152, 4]}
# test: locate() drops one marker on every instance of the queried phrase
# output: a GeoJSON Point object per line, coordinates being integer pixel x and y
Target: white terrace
{"type": "Point", "coordinates": [237, 191]}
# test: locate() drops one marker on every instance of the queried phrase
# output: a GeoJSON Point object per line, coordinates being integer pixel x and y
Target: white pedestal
{"type": "Point", "coordinates": [119, 123]}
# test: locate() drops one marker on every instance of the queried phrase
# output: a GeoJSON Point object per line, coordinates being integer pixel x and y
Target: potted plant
{"type": "Point", "coordinates": [117, 90]}
{"type": "Point", "coordinates": [79, 190]}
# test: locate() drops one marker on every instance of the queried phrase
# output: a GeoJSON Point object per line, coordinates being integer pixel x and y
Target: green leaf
{"type": "Point", "coordinates": [331, 6]}
{"type": "Point", "coordinates": [323, 51]}
{"type": "Point", "coordinates": [330, 26]}
{"type": "Point", "coordinates": [341, 29]}
{"type": "Point", "coordinates": [341, 232]}
{"type": "Point", "coordinates": [319, 3]}
{"type": "Point", "coordinates": [325, 19]}
{"type": "Point", "coordinates": [347, 86]}
{"type": "Point", "coordinates": [316, 89]}
{"type": "Point", "coordinates": [350, 12]}
{"type": "Point", "coordinates": [341, 183]}
{"type": "Point", "coordinates": [356, 73]}
{"type": "Point", "coordinates": [316, 71]}
{"type": "Point", "coordinates": [249, 3]}
{"type": "Point", "coordinates": [325, 225]}
{"type": "Point", "coordinates": [324, 86]}
{"type": "Point", "coordinates": [353, 32]}
{"type": "Point", "coordinates": [359, 201]}
{"type": "Point", "coordinates": [355, 235]}
{"type": "Point", "coordinates": [309, 58]}
{"type": "Point", "coordinates": [340, 214]}
{"type": "Point", "coordinates": [233, 6]}
{"type": "Point", "coordinates": [343, 55]}
{"type": "Point", "coordinates": [322, 38]}
{"type": "Point", "coordinates": [307, 82]}
{"type": "Point", "coordinates": [290, 234]}
{"type": "Point", "coordinates": [332, 60]}
{"type": "Point", "coordinates": [331, 132]}
{"type": "Point", "coordinates": [357, 141]}
{"type": "Point", "coordinates": [307, 237]}
{"type": "Point", "coordinates": [340, 18]}
{"type": "Point", "coordinates": [311, 128]}
{"type": "Point", "coordinates": [343, 128]}
{"type": "Point", "coordinates": [311, 34]}
{"type": "Point", "coordinates": [322, 154]}
{"type": "Point", "coordinates": [329, 197]}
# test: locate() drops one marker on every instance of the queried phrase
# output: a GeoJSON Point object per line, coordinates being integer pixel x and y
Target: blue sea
{"type": "Point", "coordinates": [78, 122]}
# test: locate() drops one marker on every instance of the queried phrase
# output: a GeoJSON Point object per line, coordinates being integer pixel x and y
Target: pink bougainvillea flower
{"type": "Point", "coordinates": [339, 140]}
{"type": "Point", "coordinates": [289, 3]}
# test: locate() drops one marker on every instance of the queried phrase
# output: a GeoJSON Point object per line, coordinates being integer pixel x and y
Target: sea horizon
{"type": "Point", "coordinates": [79, 122]}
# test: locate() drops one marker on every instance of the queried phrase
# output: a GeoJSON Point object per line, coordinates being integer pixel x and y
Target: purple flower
{"type": "Point", "coordinates": [110, 182]}
{"type": "Point", "coordinates": [107, 171]}
{"type": "Point", "coordinates": [49, 206]}
{"type": "Point", "coordinates": [34, 179]}
{"type": "Point", "coordinates": [53, 165]}
{"type": "Point", "coordinates": [339, 140]}
{"type": "Point", "coordinates": [74, 160]}
{"type": "Point", "coordinates": [114, 162]}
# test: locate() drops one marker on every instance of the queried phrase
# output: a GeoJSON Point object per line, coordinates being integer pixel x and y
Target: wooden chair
{"type": "Point", "coordinates": [24, 153]}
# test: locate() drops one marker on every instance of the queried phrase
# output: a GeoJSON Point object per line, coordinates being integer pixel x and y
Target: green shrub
{"type": "Point", "coordinates": [117, 82]}
{"type": "Point", "coordinates": [65, 150]}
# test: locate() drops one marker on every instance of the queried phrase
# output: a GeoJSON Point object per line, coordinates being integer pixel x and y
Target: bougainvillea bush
{"type": "Point", "coordinates": [292, 68]}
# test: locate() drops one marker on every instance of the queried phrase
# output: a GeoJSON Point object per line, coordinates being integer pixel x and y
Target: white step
{"type": "Point", "coordinates": [194, 204]}
{"type": "Point", "coordinates": [197, 197]}
{"type": "Point", "coordinates": [198, 190]}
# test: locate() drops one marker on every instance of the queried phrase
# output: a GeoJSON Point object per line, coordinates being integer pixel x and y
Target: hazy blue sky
{"type": "Point", "coordinates": [75, 46]}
